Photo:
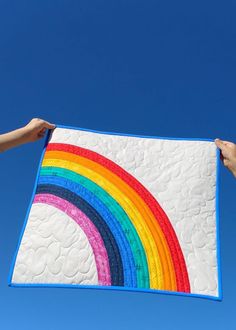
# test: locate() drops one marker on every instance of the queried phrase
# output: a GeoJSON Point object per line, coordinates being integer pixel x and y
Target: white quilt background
{"type": "Point", "coordinates": [181, 175]}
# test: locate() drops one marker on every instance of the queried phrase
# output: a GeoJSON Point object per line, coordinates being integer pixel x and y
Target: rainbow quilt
{"type": "Point", "coordinates": [123, 212]}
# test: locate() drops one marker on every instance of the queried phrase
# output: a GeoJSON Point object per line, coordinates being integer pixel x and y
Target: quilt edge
{"type": "Point", "coordinates": [216, 298]}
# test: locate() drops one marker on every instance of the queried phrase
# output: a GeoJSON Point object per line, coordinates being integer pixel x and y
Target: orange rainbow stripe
{"type": "Point", "coordinates": [166, 265]}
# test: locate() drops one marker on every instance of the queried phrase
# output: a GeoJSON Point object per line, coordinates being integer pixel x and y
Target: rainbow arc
{"type": "Point", "coordinates": [133, 241]}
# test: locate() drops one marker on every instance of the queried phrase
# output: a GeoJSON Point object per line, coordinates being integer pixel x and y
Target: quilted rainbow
{"type": "Point", "coordinates": [122, 212]}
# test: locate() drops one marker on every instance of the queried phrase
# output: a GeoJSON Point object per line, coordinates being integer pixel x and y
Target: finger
{"type": "Point", "coordinates": [40, 135]}
{"type": "Point", "coordinates": [42, 132]}
{"type": "Point", "coordinates": [226, 143]}
{"type": "Point", "coordinates": [48, 125]}
{"type": "Point", "coordinates": [229, 144]}
{"type": "Point", "coordinates": [220, 144]}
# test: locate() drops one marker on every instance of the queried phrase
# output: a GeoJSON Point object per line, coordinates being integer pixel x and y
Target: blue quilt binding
{"type": "Point", "coordinates": [98, 287]}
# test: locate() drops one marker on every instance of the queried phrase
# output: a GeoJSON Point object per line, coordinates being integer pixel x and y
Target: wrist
{"type": "Point", "coordinates": [233, 168]}
{"type": "Point", "coordinates": [234, 171]}
{"type": "Point", "coordinates": [23, 134]}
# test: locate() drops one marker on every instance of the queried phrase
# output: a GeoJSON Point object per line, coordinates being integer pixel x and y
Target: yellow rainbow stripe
{"type": "Point", "coordinates": [160, 264]}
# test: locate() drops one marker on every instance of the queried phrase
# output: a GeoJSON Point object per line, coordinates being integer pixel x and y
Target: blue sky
{"type": "Point", "coordinates": [163, 68]}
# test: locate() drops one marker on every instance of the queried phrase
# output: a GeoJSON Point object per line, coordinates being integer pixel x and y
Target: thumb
{"type": "Point", "coordinates": [220, 144]}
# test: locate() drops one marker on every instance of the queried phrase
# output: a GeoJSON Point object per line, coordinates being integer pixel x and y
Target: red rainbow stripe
{"type": "Point", "coordinates": [181, 273]}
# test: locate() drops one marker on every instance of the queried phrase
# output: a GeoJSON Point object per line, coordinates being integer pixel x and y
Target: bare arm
{"type": "Point", "coordinates": [33, 131]}
{"type": "Point", "coordinates": [228, 154]}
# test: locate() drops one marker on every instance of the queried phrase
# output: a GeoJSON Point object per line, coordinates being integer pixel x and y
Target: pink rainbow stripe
{"type": "Point", "coordinates": [94, 237]}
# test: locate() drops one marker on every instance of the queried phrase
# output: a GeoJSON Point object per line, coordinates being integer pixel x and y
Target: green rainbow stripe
{"type": "Point", "coordinates": [114, 207]}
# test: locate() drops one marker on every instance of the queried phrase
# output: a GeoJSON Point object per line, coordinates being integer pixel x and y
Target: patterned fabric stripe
{"type": "Point", "coordinates": [118, 212]}
{"type": "Point", "coordinates": [115, 262]}
{"type": "Point", "coordinates": [94, 237]}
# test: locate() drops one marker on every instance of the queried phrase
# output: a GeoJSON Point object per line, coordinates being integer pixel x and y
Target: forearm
{"type": "Point", "coordinates": [234, 168]}
{"type": "Point", "coordinates": [13, 139]}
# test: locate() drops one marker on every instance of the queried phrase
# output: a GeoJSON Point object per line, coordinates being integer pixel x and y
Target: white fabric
{"type": "Point", "coordinates": [181, 175]}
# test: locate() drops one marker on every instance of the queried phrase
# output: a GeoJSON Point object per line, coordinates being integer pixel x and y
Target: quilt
{"type": "Point", "coordinates": [123, 212]}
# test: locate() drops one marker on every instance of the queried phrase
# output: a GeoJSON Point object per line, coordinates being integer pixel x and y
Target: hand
{"type": "Point", "coordinates": [227, 154]}
{"type": "Point", "coordinates": [36, 129]}
{"type": "Point", "coordinates": [33, 131]}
